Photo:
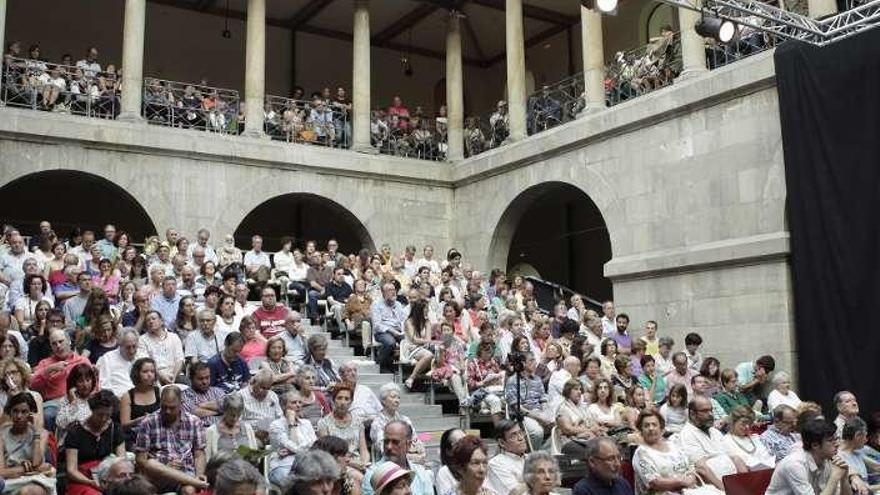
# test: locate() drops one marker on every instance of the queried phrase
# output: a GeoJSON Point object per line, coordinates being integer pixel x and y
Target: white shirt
{"type": "Point", "coordinates": [554, 389]}
{"type": "Point", "coordinates": [167, 351]}
{"type": "Point", "coordinates": [365, 404]}
{"type": "Point", "coordinates": [114, 373]}
{"type": "Point", "coordinates": [224, 329]}
{"type": "Point", "coordinates": [774, 398]}
{"type": "Point", "coordinates": [283, 261]}
{"type": "Point", "coordinates": [431, 264]}
{"type": "Point", "coordinates": [204, 348]}
{"type": "Point", "coordinates": [751, 450]}
{"type": "Point", "coordinates": [700, 446]}
{"type": "Point", "coordinates": [609, 327]}
{"type": "Point", "coordinates": [254, 258]}
{"type": "Point", "coordinates": [505, 472]}
{"type": "Point", "coordinates": [798, 474]}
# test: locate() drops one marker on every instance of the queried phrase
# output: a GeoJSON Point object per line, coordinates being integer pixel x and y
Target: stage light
{"type": "Point", "coordinates": [603, 6]}
{"type": "Point", "coordinates": [719, 29]}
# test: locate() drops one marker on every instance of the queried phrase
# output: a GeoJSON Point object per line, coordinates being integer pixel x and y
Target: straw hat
{"type": "Point", "coordinates": [385, 474]}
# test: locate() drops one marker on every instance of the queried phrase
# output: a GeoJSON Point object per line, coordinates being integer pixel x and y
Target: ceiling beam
{"type": "Point", "coordinates": [307, 13]}
{"type": "Point", "coordinates": [534, 40]}
{"type": "Point", "coordinates": [532, 12]}
{"type": "Point", "coordinates": [318, 31]}
{"type": "Point", "coordinates": [206, 4]}
{"type": "Point", "coordinates": [406, 22]}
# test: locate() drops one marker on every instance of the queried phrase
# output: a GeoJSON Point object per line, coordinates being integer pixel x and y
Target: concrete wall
{"type": "Point", "coordinates": [188, 179]}
{"type": "Point", "coordinates": [689, 181]}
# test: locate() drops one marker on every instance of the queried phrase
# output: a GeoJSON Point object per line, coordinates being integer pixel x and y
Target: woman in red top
{"type": "Point", "coordinates": [254, 342]}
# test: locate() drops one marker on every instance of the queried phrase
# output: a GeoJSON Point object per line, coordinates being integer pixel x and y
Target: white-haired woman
{"type": "Point", "coordinates": [230, 432]}
{"type": "Point", "coordinates": [540, 475]}
{"type": "Point", "coordinates": [389, 396]}
{"type": "Point", "coordinates": [782, 392]}
{"type": "Point", "coordinates": [314, 473]}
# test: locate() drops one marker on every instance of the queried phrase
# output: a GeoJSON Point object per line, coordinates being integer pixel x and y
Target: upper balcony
{"type": "Point", "coordinates": [641, 54]}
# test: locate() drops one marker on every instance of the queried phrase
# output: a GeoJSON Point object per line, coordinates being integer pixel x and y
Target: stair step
{"type": "Point", "coordinates": [436, 423]}
{"type": "Point", "coordinates": [417, 412]}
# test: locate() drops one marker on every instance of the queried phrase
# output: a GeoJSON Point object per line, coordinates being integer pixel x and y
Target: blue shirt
{"type": "Point", "coordinates": [167, 308]}
{"type": "Point", "coordinates": [593, 486]}
{"type": "Point", "coordinates": [230, 377]}
{"type": "Point", "coordinates": [387, 317]}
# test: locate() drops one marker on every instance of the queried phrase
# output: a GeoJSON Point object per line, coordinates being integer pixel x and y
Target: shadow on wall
{"type": "Point", "coordinates": [68, 199]}
{"type": "Point", "coordinates": [304, 217]}
{"type": "Point", "coordinates": [562, 235]}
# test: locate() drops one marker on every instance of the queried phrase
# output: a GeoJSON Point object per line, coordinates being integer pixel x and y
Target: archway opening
{"type": "Point", "coordinates": [70, 198]}
{"type": "Point", "coordinates": [558, 230]}
{"type": "Point", "coordinates": [304, 217]}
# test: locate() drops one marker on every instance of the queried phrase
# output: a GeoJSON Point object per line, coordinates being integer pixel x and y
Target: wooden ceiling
{"type": "Point", "coordinates": [410, 26]}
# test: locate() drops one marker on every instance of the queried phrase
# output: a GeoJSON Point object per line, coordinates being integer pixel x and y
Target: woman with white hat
{"type": "Point", "coordinates": [391, 479]}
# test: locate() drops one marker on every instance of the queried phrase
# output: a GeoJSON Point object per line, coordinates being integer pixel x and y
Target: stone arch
{"type": "Point", "coordinates": [304, 216]}
{"type": "Point", "coordinates": [66, 207]}
{"type": "Point", "coordinates": [566, 226]}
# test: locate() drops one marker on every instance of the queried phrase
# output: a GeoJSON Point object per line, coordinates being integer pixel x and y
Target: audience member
{"type": "Point", "coordinates": [816, 468]}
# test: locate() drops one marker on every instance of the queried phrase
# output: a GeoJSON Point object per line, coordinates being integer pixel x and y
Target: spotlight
{"type": "Point", "coordinates": [603, 6]}
{"type": "Point", "coordinates": [719, 29]}
{"type": "Point", "coordinates": [226, 34]}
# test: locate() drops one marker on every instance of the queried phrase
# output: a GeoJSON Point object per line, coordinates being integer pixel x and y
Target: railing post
{"type": "Point", "coordinates": [594, 59]}
{"type": "Point", "coordinates": [132, 60]}
{"type": "Point", "coordinates": [255, 69]}
{"type": "Point", "coordinates": [454, 90]}
{"type": "Point", "coordinates": [516, 69]}
{"type": "Point", "coordinates": [360, 94]}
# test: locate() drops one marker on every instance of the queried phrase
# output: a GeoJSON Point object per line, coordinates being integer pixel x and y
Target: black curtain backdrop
{"type": "Point", "coordinates": [829, 102]}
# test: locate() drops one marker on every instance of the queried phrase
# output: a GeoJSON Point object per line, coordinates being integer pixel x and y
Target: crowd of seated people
{"type": "Point", "coordinates": [83, 87]}
{"type": "Point", "coordinates": [137, 346]}
{"type": "Point", "coordinates": [192, 106]}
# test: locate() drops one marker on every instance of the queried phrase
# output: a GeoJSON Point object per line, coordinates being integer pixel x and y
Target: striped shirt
{"type": "Point", "coordinates": [260, 413]}
{"type": "Point", "coordinates": [166, 350]}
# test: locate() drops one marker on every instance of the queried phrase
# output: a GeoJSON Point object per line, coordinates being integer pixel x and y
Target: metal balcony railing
{"type": "Point", "coordinates": [192, 106]}
{"type": "Point", "coordinates": [308, 122]}
{"type": "Point", "coordinates": [40, 85]}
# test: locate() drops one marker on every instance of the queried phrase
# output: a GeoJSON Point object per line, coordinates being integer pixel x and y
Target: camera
{"type": "Point", "coordinates": [517, 361]}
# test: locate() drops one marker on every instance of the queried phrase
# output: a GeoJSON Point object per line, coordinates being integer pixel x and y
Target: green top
{"type": "Point", "coordinates": [728, 400]}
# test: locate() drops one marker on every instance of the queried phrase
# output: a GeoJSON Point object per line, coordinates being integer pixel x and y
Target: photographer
{"type": "Point", "coordinates": [532, 405]}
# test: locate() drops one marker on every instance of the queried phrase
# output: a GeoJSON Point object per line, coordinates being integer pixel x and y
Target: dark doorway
{"type": "Point", "coordinates": [558, 230]}
{"type": "Point", "coordinates": [304, 217]}
{"type": "Point", "coordinates": [68, 199]}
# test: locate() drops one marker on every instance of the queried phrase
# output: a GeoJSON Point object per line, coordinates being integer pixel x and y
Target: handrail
{"type": "Point", "coordinates": [41, 85]}
{"type": "Point", "coordinates": [563, 293]}
{"type": "Point", "coordinates": [308, 122]}
{"type": "Point", "coordinates": [192, 106]}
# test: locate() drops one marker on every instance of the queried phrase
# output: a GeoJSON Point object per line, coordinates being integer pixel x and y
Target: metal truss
{"type": "Point", "coordinates": [775, 21]}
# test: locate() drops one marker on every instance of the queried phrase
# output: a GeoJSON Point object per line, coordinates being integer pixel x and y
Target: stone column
{"type": "Point", "coordinates": [132, 60]}
{"type": "Point", "coordinates": [693, 48]}
{"type": "Point", "coordinates": [454, 90]}
{"type": "Point", "coordinates": [594, 59]}
{"type": "Point", "coordinates": [2, 40]}
{"type": "Point", "coordinates": [360, 94]}
{"type": "Point", "coordinates": [516, 70]}
{"type": "Point", "coordinates": [821, 8]}
{"type": "Point", "coordinates": [255, 68]}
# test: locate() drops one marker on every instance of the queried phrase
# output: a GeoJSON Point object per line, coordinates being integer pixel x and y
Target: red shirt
{"type": "Point", "coordinates": [54, 385]}
{"type": "Point", "coordinates": [270, 322]}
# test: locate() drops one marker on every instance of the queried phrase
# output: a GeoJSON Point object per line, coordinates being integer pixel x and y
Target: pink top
{"type": "Point", "coordinates": [110, 285]}
{"type": "Point", "coordinates": [255, 347]}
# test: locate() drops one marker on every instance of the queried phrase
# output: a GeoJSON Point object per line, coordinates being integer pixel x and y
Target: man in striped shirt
{"type": "Point", "coordinates": [261, 404]}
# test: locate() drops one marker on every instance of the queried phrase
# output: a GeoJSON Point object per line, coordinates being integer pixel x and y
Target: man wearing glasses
{"type": "Point", "coordinates": [603, 474]}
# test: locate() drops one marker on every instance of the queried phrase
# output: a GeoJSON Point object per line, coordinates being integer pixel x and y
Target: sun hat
{"type": "Point", "coordinates": [386, 473]}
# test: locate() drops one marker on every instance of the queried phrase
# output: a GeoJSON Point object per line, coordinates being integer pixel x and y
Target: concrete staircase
{"type": "Point", "coordinates": [428, 420]}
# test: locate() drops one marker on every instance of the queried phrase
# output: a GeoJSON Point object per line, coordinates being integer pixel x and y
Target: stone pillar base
{"type": "Point", "coordinates": [255, 134]}
{"type": "Point", "coordinates": [131, 118]}
{"type": "Point", "coordinates": [365, 149]}
{"type": "Point", "coordinates": [691, 74]}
